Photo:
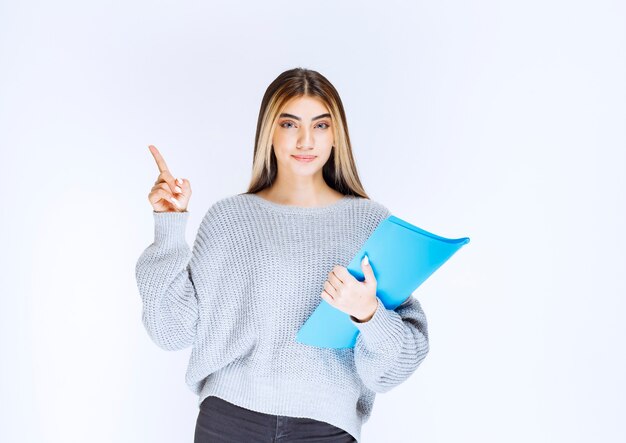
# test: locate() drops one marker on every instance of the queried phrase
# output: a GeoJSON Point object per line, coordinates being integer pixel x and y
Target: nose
{"type": "Point", "coordinates": [305, 140]}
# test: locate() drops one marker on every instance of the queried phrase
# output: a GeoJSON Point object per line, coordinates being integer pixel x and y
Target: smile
{"type": "Point", "coordinates": [304, 158]}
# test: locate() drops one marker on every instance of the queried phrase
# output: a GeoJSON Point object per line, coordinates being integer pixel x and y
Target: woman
{"type": "Point", "coordinates": [261, 263]}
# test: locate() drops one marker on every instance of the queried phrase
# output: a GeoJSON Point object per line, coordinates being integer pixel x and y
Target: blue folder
{"type": "Point", "coordinates": [402, 257]}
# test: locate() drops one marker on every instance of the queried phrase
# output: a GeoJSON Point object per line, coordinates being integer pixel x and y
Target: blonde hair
{"type": "Point", "coordinates": [339, 172]}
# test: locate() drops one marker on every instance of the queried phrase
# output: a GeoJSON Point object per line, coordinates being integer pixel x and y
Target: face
{"type": "Point", "coordinates": [304, 128]}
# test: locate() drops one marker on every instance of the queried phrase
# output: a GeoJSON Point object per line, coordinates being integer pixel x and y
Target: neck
{"type": "Point", "coordinates": [303, 191]}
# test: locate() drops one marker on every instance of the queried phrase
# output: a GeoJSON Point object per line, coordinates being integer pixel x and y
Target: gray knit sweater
{"type": "Point", "coordinates": [254, 276]}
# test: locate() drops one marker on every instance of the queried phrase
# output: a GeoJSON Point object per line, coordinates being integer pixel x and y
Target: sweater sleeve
{"type": "Point", "coordinates": [164, 274]}
{"type": "Point", "coordinates": [391, 345]}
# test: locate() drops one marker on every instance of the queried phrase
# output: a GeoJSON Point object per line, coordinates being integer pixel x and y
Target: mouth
{"type": "Point", "coordinates": [304, 158]}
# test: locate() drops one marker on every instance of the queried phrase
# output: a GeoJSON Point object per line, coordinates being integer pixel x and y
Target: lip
{"type": "Point", "coordinates": [304, 158]}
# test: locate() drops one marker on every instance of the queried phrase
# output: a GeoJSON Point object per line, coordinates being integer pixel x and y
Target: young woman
{"type": "Point", "coordinates": [261, 263]}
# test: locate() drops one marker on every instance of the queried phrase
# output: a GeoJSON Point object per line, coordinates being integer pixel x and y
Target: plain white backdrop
{"type": "Point", "coordinates": [501, 121]}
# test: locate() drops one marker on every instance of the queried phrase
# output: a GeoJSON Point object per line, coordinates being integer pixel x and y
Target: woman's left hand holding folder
{"type": "Point", "coordinates": [346, 293]}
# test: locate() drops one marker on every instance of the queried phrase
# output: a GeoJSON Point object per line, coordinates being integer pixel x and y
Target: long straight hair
{"type": "Point", "coordinates": [340, 171]}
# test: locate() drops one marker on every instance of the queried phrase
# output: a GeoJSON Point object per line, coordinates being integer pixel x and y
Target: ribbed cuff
{"type": "Point", "coordinates": [384, 326]}
{"type": "Point", "coordinates": [169, 228]}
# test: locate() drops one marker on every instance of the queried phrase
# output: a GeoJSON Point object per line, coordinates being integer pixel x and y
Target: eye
{"type": "Point", "coordinates": [282, 125]}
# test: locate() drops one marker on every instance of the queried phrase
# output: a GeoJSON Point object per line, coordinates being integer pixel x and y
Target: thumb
{"type": "Point", "coordinates": [367, 270]}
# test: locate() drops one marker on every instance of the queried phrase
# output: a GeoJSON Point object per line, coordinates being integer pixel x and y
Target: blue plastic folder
{"type": "Point", "coordinates": [402, 257]}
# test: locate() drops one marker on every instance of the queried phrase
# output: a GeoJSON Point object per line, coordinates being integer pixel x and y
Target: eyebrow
{"type": "Point", "coordinates": [284, 114]}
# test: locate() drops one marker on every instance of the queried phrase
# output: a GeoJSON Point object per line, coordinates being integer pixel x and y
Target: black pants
{"type": "Point", "coordinates": [222, 422]}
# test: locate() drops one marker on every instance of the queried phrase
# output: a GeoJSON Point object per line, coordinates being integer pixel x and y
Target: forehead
{"type": "Point", "coordinates": [305, 106]}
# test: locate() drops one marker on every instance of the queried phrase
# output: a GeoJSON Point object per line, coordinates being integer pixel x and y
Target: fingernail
{"type": "Point", "coordinates": [177, 189]}
{"type": "Point", "coordinates": [179, 181]}
{"type": "Point", "coordinates": [366, 260]}
{"type": "Point", "coordinates": [173, 200]}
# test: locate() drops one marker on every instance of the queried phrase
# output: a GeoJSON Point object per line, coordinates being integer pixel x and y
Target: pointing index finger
{"type": "Point", "coordinates": [158, 158]}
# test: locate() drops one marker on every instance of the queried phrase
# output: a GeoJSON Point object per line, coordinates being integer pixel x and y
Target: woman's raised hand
{"type": "Point", "coordinates": [168, 194]}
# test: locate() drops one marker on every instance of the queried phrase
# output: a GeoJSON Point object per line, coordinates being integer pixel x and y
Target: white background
{"type": "Point", "coordinates": [500, 121]}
